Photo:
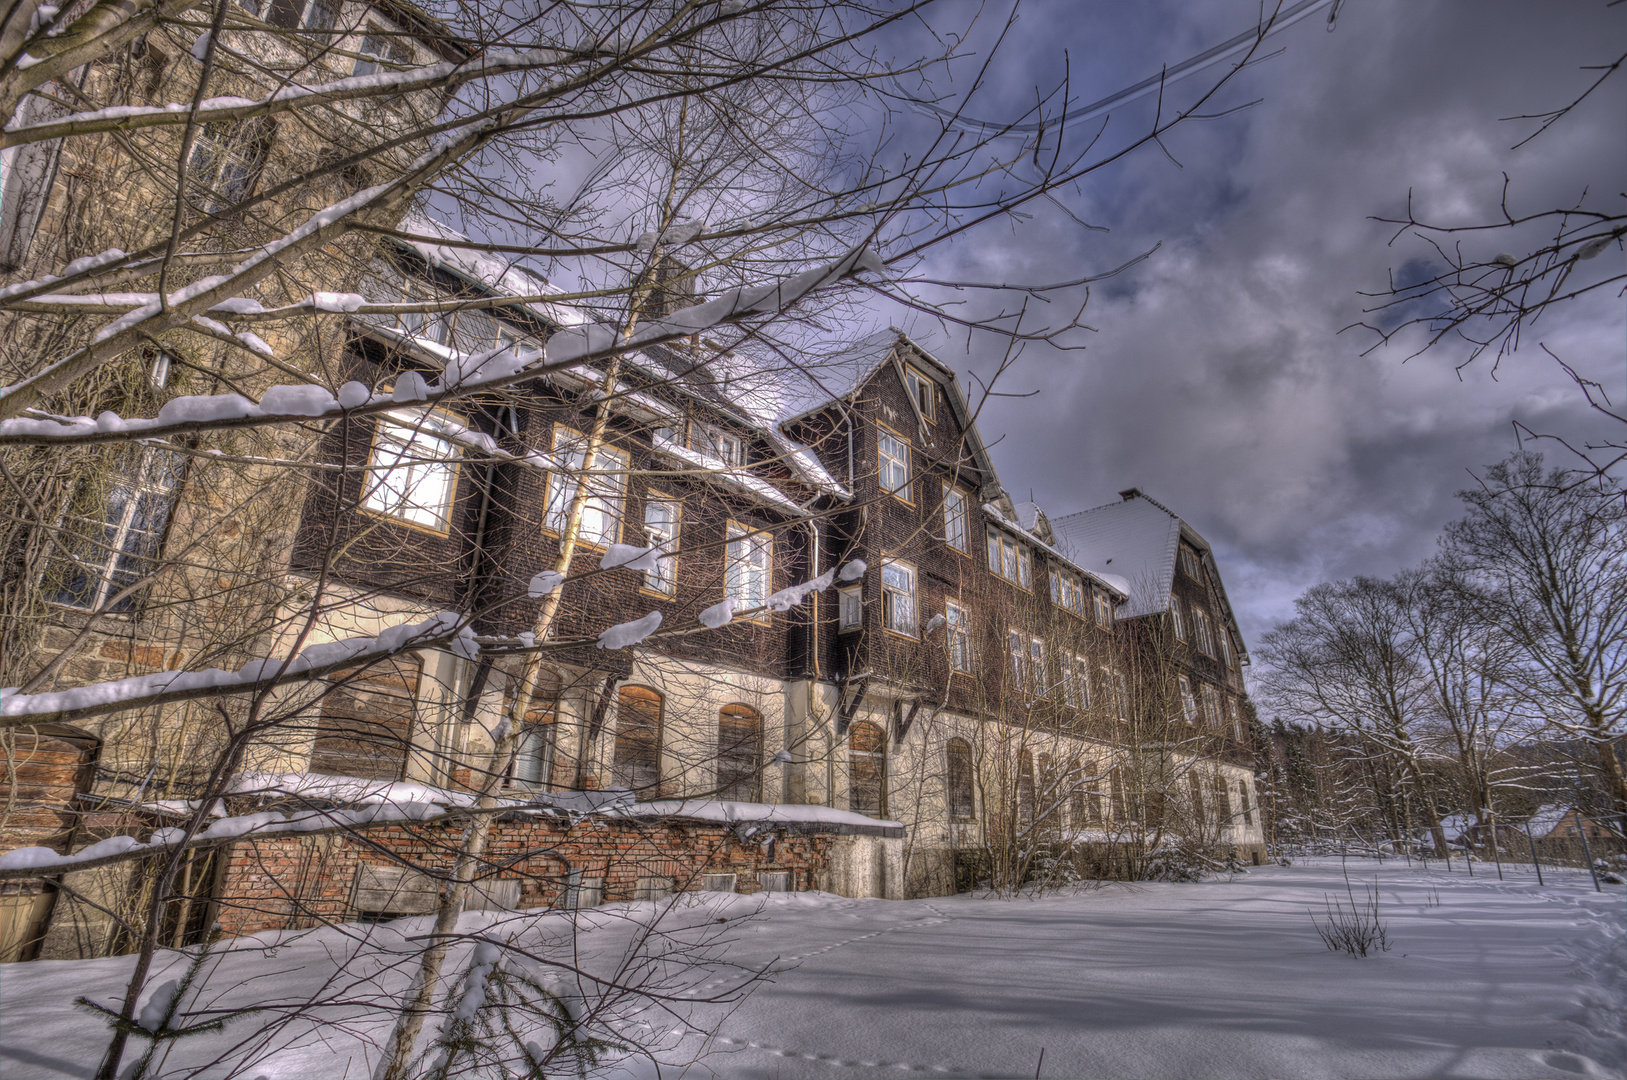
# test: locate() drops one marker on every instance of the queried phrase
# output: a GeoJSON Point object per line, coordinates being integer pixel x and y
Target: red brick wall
{"type": "Point", "coordinates": [290, 882]}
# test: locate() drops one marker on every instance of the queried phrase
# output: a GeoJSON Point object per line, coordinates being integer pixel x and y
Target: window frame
{"type": "Point", "coordinates": [146, 478]}
{"type": "Point", "coordinates": [395, 51]}
{"type": "Point", "coordinates": [754, 541]}
{"type": "Point", "coordinates": [917, 383]}
{"type": "Point", "coordinates": [964, 518]}
{"type": "Point", "coordinates": [717, 443]}
{"type": "Point", "coordinates": [902, 493]}
{"type": "Point", "coordinates": [636, 692]}
{"type": "Point", "coordinates": [890, 606]}
{"type": "Point", "coordinates": [855, 594]}
{"type": "Point", "coordinates": [752, 776]}
{"type": "Point", "coordinates": [1038, 661]}
{"type": "Point", "coordinates": [218, 144]}
{"type": "Point", "coordinates": [1177, 621]}
{"type": "Point", "coordinates": [1017, 648]}
{"type": "Point", "coordinates": [876, 757]}
{"type": "Point", "coordinates": [958, 631]}
{"type": "Point", "coordinates": [960, 792]}
{"type": "Point", "coordinates": [1211, 707]}
{"type": "Point", "coordinates": [416, 422]}
{"type": "Point", "coordinates": [555, 519]}
{"type": "Point", "coordinates": [1189, 698]}
{"type": "Point", "coordinates": [998, 540]}
{"type": "Point", "coordinates": [1102, 606]}
{"type": "Point", "coordinates": [1201, 632]}
{"type": "Point", "coordinates": [666, 568]}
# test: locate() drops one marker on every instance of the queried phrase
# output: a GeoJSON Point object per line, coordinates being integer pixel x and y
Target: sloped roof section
{"type": "Point", "coordinates": [1135, 539]}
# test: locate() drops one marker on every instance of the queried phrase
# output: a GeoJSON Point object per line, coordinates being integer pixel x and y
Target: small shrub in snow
{"type": "Point", "coordinates": [1356, 929]}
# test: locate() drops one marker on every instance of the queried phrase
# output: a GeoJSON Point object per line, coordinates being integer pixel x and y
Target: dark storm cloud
{"type": "Point", "coordinates": [1217, 379]}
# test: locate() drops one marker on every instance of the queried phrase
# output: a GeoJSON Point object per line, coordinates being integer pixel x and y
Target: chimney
{"type": "Point", "coordinates": [1130, 493]}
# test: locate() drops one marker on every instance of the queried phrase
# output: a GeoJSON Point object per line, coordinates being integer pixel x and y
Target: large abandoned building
{"type": "Point", "coordinates": [880, 675]}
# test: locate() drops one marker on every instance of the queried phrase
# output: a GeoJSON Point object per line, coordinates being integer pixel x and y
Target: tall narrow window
{"type": "Point", "coordinates": [637, 764]}
{"type": "Point", "coordinates": [1211, 708]}
{"type": "Point", "coordinates": [1194, 784]}
{"type": "Point", "coordinates": [960, 637]}
{"type": "Point", "coordinates": [533, 757]}
{"type": "Point", "coordinates": [1223, 800]}
{"type": "Point", "coordinates": [1243, 803]}
{"type": "Point", "coordinates": [605, 484]}
{"type": "Point", "coordinates": [898, 597]}
{"type": "Point", "coordinates": [1200, 630]}
{"type": "Point", "coordinates": [413, 470]}
{"type": "Point", "coordinates": [226, 160]}
{"type": "Point", "coordinates": [1175, 619]}
{"type": "Point", "coordinates": [111, 535]}
{"type": "Point", "coordinates": [923, 391]}
{"type": "Point", "coordinates": [747, 565]}
{"type": "Point", "coordinates": [867, 769]}
{"type": "Point", "coordinates": [1225, 637]}
{"type": "Point", "coordinates": [1236, 718]}
{"type": "Point", "coordinates": [1025, 787]}
{"type": "Point", "coordinates": [1037, 668]}
{"type": "Point", "coordinates": [894, 468]}
{"type": "Point", "coordinates": [1017, 645]}
{"type": "Point", "coordinates": [956, 527]}
{"type": "Point", "coordinates": [661, 531]}
{"type": "Point", "coordinates": [1008, 558]}
{"type": "Point", "coordinates": [962, 806]}
{"type": "Point", "coordinates": [851, 613]}
{"type": "Point", "coordinates": [1104, 607]}
{"type": "Point", "coordinates": [1189, 703]}
{"type": "Point", "coordinates": [739, 753]}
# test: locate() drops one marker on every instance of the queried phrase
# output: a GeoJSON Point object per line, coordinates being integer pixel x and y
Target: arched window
{"type": "Point", "coordinates": [962, 805]}
{"type": "Point", "coordinates": [867, 769]}
{"type": "Point", "coordinates": [739, 753]}
{"type": "Point", "coordinates": [638, 741]}
{"type": "Point", "coordinates": [534, 754]}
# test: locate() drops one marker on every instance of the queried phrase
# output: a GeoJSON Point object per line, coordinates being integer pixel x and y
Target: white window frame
{"type": "Point", "coordinates": [1202, 632]}
{"type": "Point", "coordinates": [1039, 669]}
{"type": "Point", "coordinates": [380, 46]}
{"type": "Point", "coordinates": [923, 391]}
{"type": "Point", "coordinates": [1211, 707]}
{"type": "Point", "coordinates": [1017, 646]}
{"type": "Point", "coordinates": [412, 469]}
{"type": "Point", "coordinates": [1225, 639]}
{"type": "Point", "coordinates": [1103, 601]}
{"type": "Point", "coordinates": [1189, 700]}
{"type": "Point", "coordinates": [1176, 619]}
{"type": "Point", "coordinates": [607, 487]}
{"type": "Point", "coordinates": [1236, 715]}
{"type": "Point", "coordinates": [123, 548]}
{"type": "Point", "coordinates": [893, 465]}
{"type": "Point", "coordinates": [957, 519]}
{"type": "Point", "coordinates": [958, 627]}
{"type": "Point", "coordinates": [899, 596]}
{"type": "Point", "coordinates": [850, 608]}
{"type": "Point", "coordinates": [1067, 590]}
{"type": "Point", "coordinates": [226, 161]}
{"type": "Point", "coordinates": [663, 577]}
{"type": "Point", "coordinates": [748, 565]}
{"type": "Point", "coordinates": [717, 444]}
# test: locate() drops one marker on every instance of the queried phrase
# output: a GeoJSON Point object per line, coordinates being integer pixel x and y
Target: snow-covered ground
{"type": "Point", "coordinates": [1225, 978]}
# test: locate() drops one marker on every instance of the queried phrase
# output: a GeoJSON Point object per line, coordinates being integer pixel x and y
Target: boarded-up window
{"type": "Point", "coordinates": [366, 720]}
{"type": "Point", "coordinates": [739, 753]}
{"type": "Point", "coordinates": [637, 765]}
{"type": "Point", "coordinates": [718, 882]}
{"type": "Point", "coordinates": [1025, 787]}
{"type": "Point", "coordinates": [962, 804]}
{"type": "Point", "coordinates": [775, 880]}
{"type": "Point", "coordinates": [867, 770]}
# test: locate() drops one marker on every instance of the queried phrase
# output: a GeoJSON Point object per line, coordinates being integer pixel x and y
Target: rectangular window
{"type": "Point", "coordinates": [298, 14]}
{"type": "Point", "coordinates": [1200, 630]}
{"type": "Point", "coordinates": [1008, 558]}
{"type": "Point", "coordinates": [713, 442]}
{"type": "Point", "coordinates": [1017, 645]}
{"type": "Point", "coordinates": [661, 531]}
{"type": "Point", "coordinates": [1243, 803]}
{"type": "Point", "coordinates": [381, 52]}
{"type": "Point", "coordinates": [1175, 619]}
{"type": "Point", "coordinates": [1189, 703]}
{"type": "Point", "coordinates": [1121, 683]}
{"type": "Point", "coordinates": [1036, 663]}
{"type": "Point", "coordinates": [851, 613]}
{"type": "Point", "coordinates": [110, 539]}
{"type": "Point", "coordinates": [957, 532]}
{"type": "Point", "coordinates": [1068, 590]}
{"type": "Point", "coordinates": [605, 485]}
{"type": "Point", "coordinates": [413, 470]}
{"type": "Point", "coordinates": [960, 637]}
{"type": "Point", "coordinates": [747, 564]}
{"type": "Point", "coordinates": [898, 597]}
{"type": "Point", "coordinates": [1236, 718]}
{"type": "Point", "coordinates": [1223, 800]}
{"type": "Point", "coordinates": [226, 160]}
{"type": "Point", "coordinates": [1104, 607]}
{"type": "Point", "coordinates": [1225, 646]}
{"type": "Point", "coordinates": [1076, 680]}
{"type": "Point", "coordinates": [923, 391]}
{"type": "Point", "coordinates": [1189, 563]}
{"type": "Point", "coordinates": [894, 469]}
{"type": "Point", "coordinates": [1211, 708]}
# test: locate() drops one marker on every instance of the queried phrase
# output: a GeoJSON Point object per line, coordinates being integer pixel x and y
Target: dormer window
{"type": "Point", "coordinates": [717, 444]}
{"type": "Point", "coordinates": [923, 391]}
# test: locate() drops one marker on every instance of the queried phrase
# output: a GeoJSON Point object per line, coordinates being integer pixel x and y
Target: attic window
{"type": "Point", "coordinates": [923, 391]}
{"type": "Point", "coordinates": [1189, 563]}
{"type": "Point", "coordinates": [717, 444]}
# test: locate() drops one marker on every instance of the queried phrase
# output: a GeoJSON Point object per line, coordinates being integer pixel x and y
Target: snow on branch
{"type": "Point", "coordinates": [445, 630]}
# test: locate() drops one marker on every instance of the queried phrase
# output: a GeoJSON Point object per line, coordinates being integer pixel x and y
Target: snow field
{"type": "Point", "coordinates": [1222, 979]}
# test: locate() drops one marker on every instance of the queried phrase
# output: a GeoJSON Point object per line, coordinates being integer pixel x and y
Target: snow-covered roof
{"type": "Point", "coordinates": [1546, 818]}
{"type": "Point", "coordinates": [1133, 539]}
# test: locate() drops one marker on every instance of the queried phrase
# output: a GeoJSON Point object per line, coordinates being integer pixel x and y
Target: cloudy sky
{"type": "Point", "coordinates": [1217, 379]}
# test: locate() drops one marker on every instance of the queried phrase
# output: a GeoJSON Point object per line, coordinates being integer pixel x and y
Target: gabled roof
{"type": "Point", "coordinates": [1135, 539]}
{"type": "Point", "coordinates": [1138, 538]}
